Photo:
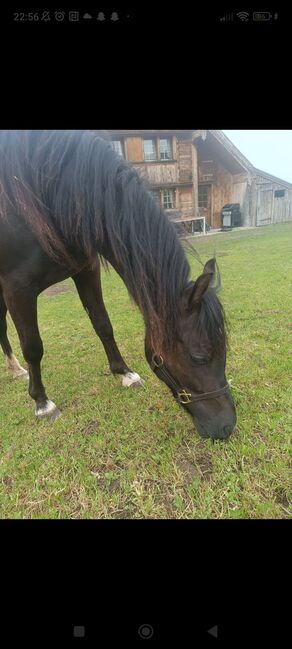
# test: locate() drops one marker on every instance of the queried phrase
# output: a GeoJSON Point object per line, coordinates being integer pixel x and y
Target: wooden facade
{"type": "Point", "coordinates": [196, 173]}
{"type": "Point", "coordinates": [173, 177]}
{"type": "Point", "coordinates": [273, 200]}
{"type": "Point", "coordinates": [229, 177]}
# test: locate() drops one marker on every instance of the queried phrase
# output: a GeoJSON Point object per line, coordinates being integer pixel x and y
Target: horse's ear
{"type": "Point", "coordinates": [193, 294]}
{"type": "Point", "coordinates": [210, 266]}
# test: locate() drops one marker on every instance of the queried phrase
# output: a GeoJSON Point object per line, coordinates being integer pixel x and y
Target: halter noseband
{"type": "Point", "coordinates": [183, 395]}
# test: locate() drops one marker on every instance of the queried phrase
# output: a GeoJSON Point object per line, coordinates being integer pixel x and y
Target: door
{"type": "Point", "coordinates": [264, 207]}
{"type": "Point", "coordinates": [204, 202]}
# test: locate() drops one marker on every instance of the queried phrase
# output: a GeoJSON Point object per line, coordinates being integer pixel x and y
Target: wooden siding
{"type": "Point", "coordinates": [185, 201]}
{"type": "Point", "coordinates": [184, 160]}
{"type": "Point", "coordinates": [270, 209]}
{"type": "Point", "coordinates": [241, 194]}
{"type": "Point", "coordinates": [208, 171]}
{"type": "Point", "coordinates": [159, 174]}
{"type": "Point", "coordinates": [222, 194]}
{"type": "Point", "coordinates": [283, 208]}
{"type": "Point", "coordinates": [264, 206]}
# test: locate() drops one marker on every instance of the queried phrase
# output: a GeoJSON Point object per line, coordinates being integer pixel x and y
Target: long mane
{"type": "Point", "coordinates": [80, 198]}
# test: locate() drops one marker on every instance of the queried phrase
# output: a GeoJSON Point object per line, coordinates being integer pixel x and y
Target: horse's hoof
{"type": "Point", "coordinates": [49, 412]}
{"type": "Point", "coordinates": [132, 380]}
{"type": "Point", "coordinates": [54, 415]}
{"type": "Point", "coordinates": [137, 384]}
{"type": "Point", "coordinates": [21, 374]}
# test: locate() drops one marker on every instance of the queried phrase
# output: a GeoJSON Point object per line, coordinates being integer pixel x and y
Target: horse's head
{"type": "Point", "coordinates": [194, 367]}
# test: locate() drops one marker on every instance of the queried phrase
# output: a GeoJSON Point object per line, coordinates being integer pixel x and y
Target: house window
{"type": "Point", "coordinates": [165, 150]}
{"type": "Point", "coordinates": [117, 147]}
{"type": "Point", "coordinates": [168, 199]}
{"type": "Point", "coordinates": [156, 195]}
{"type": "Point", "coordinates": [203, 196]}
{"type": "Point", "coordinates": [279, 193]}
{"type": "Point", "coordinates": [150, 150]}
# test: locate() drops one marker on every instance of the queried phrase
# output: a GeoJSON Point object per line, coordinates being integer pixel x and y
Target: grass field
{"type": "Point", "coordinates": [122, 453]}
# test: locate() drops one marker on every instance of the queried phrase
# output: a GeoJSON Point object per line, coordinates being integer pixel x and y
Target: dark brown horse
{"type": "Point", "coordinates": [67, 202]}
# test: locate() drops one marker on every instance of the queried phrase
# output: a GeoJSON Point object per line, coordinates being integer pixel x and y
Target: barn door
{"type": "Point", "coordinates": [264, 206]}
{"type": "Point", "coordinates": [204, 202]}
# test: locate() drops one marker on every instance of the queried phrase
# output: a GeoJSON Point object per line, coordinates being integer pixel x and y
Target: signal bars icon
{"type": "Point", "coordinates": [227, 17]}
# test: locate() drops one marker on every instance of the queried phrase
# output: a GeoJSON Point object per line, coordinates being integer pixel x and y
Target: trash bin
{"type": "Point", "coordinates": [230, 216]}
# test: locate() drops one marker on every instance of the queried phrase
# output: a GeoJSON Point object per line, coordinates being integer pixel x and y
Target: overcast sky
{"type": "Point", "coordinates": [270, 151]}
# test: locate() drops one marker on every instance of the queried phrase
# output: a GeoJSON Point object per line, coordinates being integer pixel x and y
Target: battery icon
{"type": "Point", "coordinates": [262, 15]}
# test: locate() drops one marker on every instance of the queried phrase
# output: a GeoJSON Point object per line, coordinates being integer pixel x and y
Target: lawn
{"type": "Point", "coordinates": [125, 453]}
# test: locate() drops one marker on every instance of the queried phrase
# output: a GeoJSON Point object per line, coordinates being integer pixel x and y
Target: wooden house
{"type": "Point", "coordinates": [168, 162]}
{"type": "Point", "coordinates": [196, 173]}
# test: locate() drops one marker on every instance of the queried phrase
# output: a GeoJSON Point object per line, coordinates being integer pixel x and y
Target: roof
{"type": "Point", "coordinates": [243, 161]}
{"type": "Point", "coordinates": [232, 151]}
{"type": "Point", "coordinates": [274, 179]}
{"type": "Point", "coordinates": [212, 141]}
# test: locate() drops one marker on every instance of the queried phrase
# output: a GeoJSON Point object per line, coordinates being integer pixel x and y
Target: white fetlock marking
{"type": "Point", "coordinates": [14, 367]}
{"type": "Point", "coordinates": [130, 378]}
{"type": "Point", "coordinates": [20, 374]}
{"type": "Point", "coordinates": [49, 407]}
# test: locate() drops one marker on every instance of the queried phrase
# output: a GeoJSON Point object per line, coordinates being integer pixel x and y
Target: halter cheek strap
{"type": "Point", "coordinates": [183, 395]}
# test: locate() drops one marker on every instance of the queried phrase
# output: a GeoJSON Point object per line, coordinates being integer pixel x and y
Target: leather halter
{"type": "Point", "coordinates": [183, 395]}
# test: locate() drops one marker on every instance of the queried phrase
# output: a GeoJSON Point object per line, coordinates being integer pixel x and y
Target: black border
{"type": "Point", "coordinates": [208, 77]}
{"type": "Point", "coordinates": [183, 577]}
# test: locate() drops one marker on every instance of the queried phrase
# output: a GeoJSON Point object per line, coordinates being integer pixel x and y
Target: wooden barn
{"type": "Point", "coordinates": [225, 176]}
{"type": "Point", "coordinates": [195, 173]}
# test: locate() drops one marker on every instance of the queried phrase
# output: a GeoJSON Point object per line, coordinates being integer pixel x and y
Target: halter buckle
{"type": "Point", "coordinates": [184, 396]}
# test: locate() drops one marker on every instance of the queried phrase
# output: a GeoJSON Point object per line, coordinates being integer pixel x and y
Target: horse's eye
{"type": "Point", "coordinates": [200, 359]}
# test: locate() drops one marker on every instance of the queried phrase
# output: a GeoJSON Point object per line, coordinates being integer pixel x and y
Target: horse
{"type": "Point", "coordinates": [69, 204]}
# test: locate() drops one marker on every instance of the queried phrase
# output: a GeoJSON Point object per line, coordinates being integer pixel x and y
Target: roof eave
{"type": "Point", "coordinates": [264, 174]}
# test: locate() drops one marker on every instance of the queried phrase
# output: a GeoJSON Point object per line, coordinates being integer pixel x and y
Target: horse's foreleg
{"type": "Point", "coordinates": [12, 363]}
{"type": "Point", "coordinates": [88, 285]}
{"type": "Point", "coordinates": [23, 310]}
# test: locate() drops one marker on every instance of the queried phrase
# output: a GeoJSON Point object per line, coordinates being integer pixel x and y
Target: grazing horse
{"type": "Point", "coordinates": [69, 202]}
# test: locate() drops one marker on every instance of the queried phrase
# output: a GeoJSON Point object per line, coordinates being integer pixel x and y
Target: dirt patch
{"type": "Point", "coordinates": [91, 428]}
{"type": "Point", "coordinates": [7, 481]}
{"type": "Point", "coordinates": [204, 462]}
{"type": "Point", "coordinates": [167, 504]}
{"type": "Point", "coordinates": [189, 470]}
{"type": "Point", "coordinates": [281, 497]}
{"type": "Point", "coordinates": [114, 485]}
{"type": "Point", "coordinates": [75, 401]}
{"type": "Point", "coordinates": [124, 514]}
{"type": "Point", "coordinates": [56, 289]}
{"type": "Point", "coordinates": [206, 466]}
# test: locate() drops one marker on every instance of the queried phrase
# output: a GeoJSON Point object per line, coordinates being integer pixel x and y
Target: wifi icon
{"type": "Point", "coordinates": [243, 15]}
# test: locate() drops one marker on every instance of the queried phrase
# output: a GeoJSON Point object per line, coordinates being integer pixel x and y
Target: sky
{"type": "Point", "coordinates": [270, 151]}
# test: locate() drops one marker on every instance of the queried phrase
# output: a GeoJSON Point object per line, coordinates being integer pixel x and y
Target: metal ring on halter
{"type": "Point", "coordinates": [154, 363]}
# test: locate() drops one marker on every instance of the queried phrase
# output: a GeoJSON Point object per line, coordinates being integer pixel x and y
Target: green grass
{"type": "Point", "coordinates": [122, 453]}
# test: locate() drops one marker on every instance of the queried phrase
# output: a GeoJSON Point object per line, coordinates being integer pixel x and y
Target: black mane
{"type": "Point", "coordinates": [212, 321]}
{"type": "Point", "coordinates": [79, 197]}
